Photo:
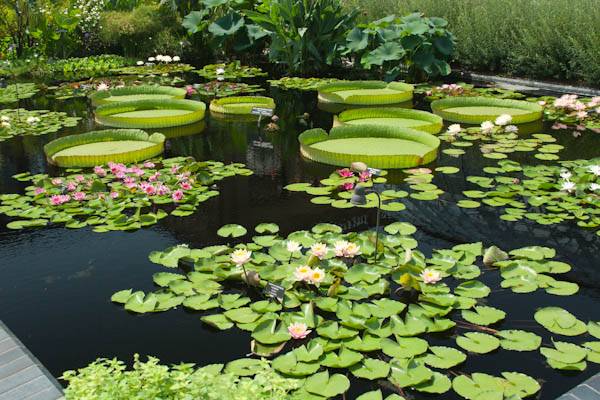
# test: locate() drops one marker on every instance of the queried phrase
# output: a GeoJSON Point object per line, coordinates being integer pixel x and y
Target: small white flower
{"type": "Point", "coordinates": [511, 129]}
{"type": "Point", "coordinates": [220, 78]}
{"type": "Point", "coordinates": [595, 169]}
{"type": "Point", "coordinates": [140, 63]}
{"type": "Point", "coordinates": [159, 57]}
{"type": "Point", "coordinates": [487, 126]}
{"type": "Point", "coordinates": [4, 118]}
{"type": "Point", "coordinates": [101, 87]}
{"type": "Point", "coordinates": [176, 59]}
{"type": "Point", "coordinates": [151, 59]}
{"type": "Point", "coordinates": [454, 128]}
{"type": "Point", "coordinates": [503, 119]}
{"type": "Point", "coordinates": [241, 256]}
{"type": "Point", "coordinates": [594, 187]}
{"type": "Point", "coordinates": [567, 186]}
{"type": "Point", "coordinates": [340, 248]}
{"type": "Point", "coordinates": [566, 175]}
{"type": "Point", "coordinates": [167, 59]}
{"type": "Point", "coordinates": [33, 120]}
{"type": "Point", "coordinates": [220, 71]}
{"type": "Point", "coordinates": [293, 246]}
{"type": "Point", "coordinates": [5, 124]}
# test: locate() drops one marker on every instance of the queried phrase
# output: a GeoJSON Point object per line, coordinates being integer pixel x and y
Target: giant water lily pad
{"type": "Point", "coordinates": [365, 93]}
{"type": "Point", "coordinates": [403, 117]}
{"type": "Point", "coordinates": [150, 113]}
{"type": "Point", "coordinates": [475, 110]}
{"type": "Point", "coordinates": [133, 93]}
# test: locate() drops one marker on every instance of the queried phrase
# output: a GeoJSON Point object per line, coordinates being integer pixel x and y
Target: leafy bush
{"type": "Point", "coordinates": [551, 39]}
{"type": "Point", "coordinates": [414, 44]}
{"type": "Point", "coordinates": [110, 379]}
{"type": "Point", "coordinates": [306, 35]}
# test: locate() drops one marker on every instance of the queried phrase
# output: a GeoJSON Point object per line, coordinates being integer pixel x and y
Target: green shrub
{"type": "Point", "coordinates": [109, 379]}
{"type": "Point", "coordinates": [545, 39]}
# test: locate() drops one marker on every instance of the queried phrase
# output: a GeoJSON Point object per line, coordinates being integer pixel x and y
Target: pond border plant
{"type": "Point", "coordinates": [347, 305]}
{"type": "Point", "coordinates": [532, 111]}
{"type": "Point", "coordinates": [90, 157]}
{"type": "Point", "coordinates": [365, 93]}
{"type": "Point", "coordinates": [141, 92]}
{"type": "Point", "coordinates": [333, 156]}
{"type": "Point", "coordinates": [394, 116]}
{"type": "Point", "coordinates": [115, 114]}
{"type": "Point", "coordinates": [116, 196]}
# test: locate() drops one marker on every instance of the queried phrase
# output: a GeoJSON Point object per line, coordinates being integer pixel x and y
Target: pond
{"type": "Point", "coordinates": [56, 283]}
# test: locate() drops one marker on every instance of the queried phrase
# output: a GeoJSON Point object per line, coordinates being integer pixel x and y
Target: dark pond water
{"type": "Point", "coordinates": [55, 283]}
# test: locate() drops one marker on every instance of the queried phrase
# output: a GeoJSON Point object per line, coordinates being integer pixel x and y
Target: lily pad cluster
{"type": "Point", "coordinates": [498, 139]}
{"type": "Point", "coordinates": [571, 111]}
{"type": "Point", "coordinates": [437, 92]}
{"type": "Point", "coordinates": [350, 306]}
{"type": "Point", "coordinates": [117, 196]}
{"type": "Point", "coordinates": [302, 84]}
{"type": "Point", "coordinates": [232, 70]}
{"type": "Point", "coordinates": [21, 122]}
{"type": "Point", "coordinates": [546, 194]}
{"type": "Point", "coordinates": [17, 91]}
{"type": "Point", "coordinates": [224, 89]}
{"type": "Point", "coordinates": [69, 90]}
{"type": "Point", "coordinates": [153, 69]}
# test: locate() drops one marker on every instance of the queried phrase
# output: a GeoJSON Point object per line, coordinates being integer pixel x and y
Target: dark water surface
{"type": "Point", "coordinates": [56, 283]}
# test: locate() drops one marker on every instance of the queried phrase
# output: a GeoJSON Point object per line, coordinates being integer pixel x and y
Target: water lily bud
{"type": "Point", "coordinates": [252, 278]}
{"type": "Point", "coordinates": [494, 254]}
{"type": "Point", "coordinates": [358, 166]}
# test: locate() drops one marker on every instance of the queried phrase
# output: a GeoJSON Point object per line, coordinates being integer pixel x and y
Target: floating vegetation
{"type": "Point", "coordinates": [571, 111]}
{"type": "Point", "coordinates": [546, 194]}
{"type": "Point", "coordinates": [365, 93]}
{"type": "Point", "coordinates": [82, 67]}
{"type": "Point", "coordinates": [116, 197]}
{"type": "Point", "coordinates": [224, 89]}
{"type": "Point", "coordinates": [241, 105]}
{"type": "Point", "coordinates": [17, 91]}
{"type": "Point", "coordinates": [150, 113]}
{"type": "Point", "coordinates": [498, 140]}
{"type": "Point", "coordinates": [136, 93]}
{"type": "Point", "coordinates": [302, 84]}
{"type": "Point", "coordinates": [100, 147]}
{"type": "Point", "coordinates": [433, 92]}
{"type": "Point", "coordinates": [69, 90]}
{"type": "Point", "coordinates": [232, 70]}
{"type": "Point", "coordinates": [476, 110]}
{"type": "Point", "coordinates": [21, 122]}
{"type": "Point", "coordinates": [379, 146]}
{"type": "Point", "coordinates": [153, 69]}
{"type": "Point", "coordinates": [334, 301]}
{"type": "Point", "coordinates": [391, 116]}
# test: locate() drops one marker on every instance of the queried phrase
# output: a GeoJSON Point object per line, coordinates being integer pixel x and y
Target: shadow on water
{"type": "Point", "coordinates": [55, 283]}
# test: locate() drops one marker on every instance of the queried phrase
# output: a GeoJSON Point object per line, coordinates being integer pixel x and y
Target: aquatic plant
{"type": "Point", "coordinates": [225, 89]}
{"type": "Point", "coordinates": [571, 111]}
{"type": "Point", "coordinates": [232, 70]}
{"type": "Point", "coordinates": [365, 92]}
{"type": "Point", "coordinates": [499, 138]}
{"type": "Point", "coordinates": [345, 305]}
{"type": "Point", "coordinates": [150, 113]}
{"type": "Point", "coordinates": [86, 66]}
{"type": "Point", "coordinates": [140, 92]}
{"type": "Point", "coordinates": [17, 91]}
{"type": "Point", "coordinates": [116, 196]}
{"type": "Point", "coordinates": [302, 84]}
{"type": "Point", "coordinates": [153, 69]}
{"type": "Point", "coordinates": [240, 105]}
{"type": "Point", "coordinates": [476, 110]}
{"type": "Point", "coordinates": [391, 116]}
{"type": "Point", "coordinates": [546, 194]}
{"type": "Point", "coordinates": [21, 122]}
{"type": "Point", "coordinates": [234, 381]}
{"type": "Point", "coordinates": [436, 92]}
{"type": "Point", "coordinates": [100, 147]}
{"type": "Point", "coordinates": [379, 146]}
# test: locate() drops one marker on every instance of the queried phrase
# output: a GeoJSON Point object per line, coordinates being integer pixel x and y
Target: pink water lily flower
{"type": "Point", "coordinates": [348, 186]}
{"type": "Point", "coordinates": [177, 195]}
{"type": "Point", "coordinates": [79, 196]}
{"type": "Point", "coordinates": [154, 177]}
{"type": "Point", "coordinates": [150, 190]}
{"type": "Point", "coordinates": [185, 185]}
{"type": "Point", "coordinates": [79, 178]}
{"type": "Point", "coordinates": [59, 199]}
{"type": "Point", "coordinates": [56, 181]}
{"type": "Point", "coordinates": [431, 276]}
{"type": "Point", "coordinates": [114, 195]}
{"type": "Point", "coordinates": [162, 190]}
{"type": "Point", "coordinates": [175, 168]}
{"type": "Point", "coordinates": [98, 170]}
{"type": "Point", "coordinates": [71, 186]}
{"type": "Point", "coordinates": [189, 90]}
{"type": "Point", "coordinates": [39, 190]}
{"type": "Point", "coordinates": [364, 176]}
{"type": "Point", "coordinates": [298, 330]}
{"type": "Point", "coordinates": [149, 164]}
{"type": "Point", "coordinates": [345, 173]}
{"type": "Point", "coordinates": [319, 250]}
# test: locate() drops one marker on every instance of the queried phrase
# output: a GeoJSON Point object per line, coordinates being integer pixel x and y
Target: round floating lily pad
{"type": "Point", "coordinates": [377, 146]}
{"type": "Point", "coordinates": [100, 147]}
{"type": "Point", "coordinates": [132, 93]}
{"type": "Point", "coordinates": [240, 105]}
{"type": "Point", "coordinates": [365, 92]}
{"type": "Point", "coordinates": [391, 116]}
{"type": "Point", "coordinates": [475, 110]}
{"type": "Point", "coordinates": [150, 113]}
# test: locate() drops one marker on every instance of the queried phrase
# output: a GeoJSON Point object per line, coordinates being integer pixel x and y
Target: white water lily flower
{"type": "Point", "coordinates": [241, 256]}
{"type": "Point", "coordinates": [594, 187]}
{"type": "Point", "coordinates": [151, 59]}
{"type": "Point", "coordinates": [4, 118]}
{"type": "Point", "coordinates": [503, 119]}
{"type": "Point", "coordinates": [340, 248]}
{"type": "Point", "coordinates": [352, 250]}
{"type": "Point", "coordinates": [511, 129]}
{"type": "Point", "coordinates": [159, 57]}
{"type": "Point", "coordinates": [167, 59]}
{"type": "Point", "coordinates": [595, 169]}
{"type": "Point", "coordinates": [140, 63]}
{"type": "Point", "coordinates": [5, 124]}
{"type": "Point", "coordinates": [101, 87]}
{"type": "Point", "coordinates": [303, 273]}
{"type": "Point", "coordinates": [316, 276]}
{"type": "Point", "coordinates": [319, 250]}
{"type": "Point", "coordinates": [176, 59]}
{"type": "Point", "coordinates": [487, 126]}
{"type": "Point", "coordinates": [220, 78]}
{"type": "Point", "coordinates": [293, 246]}
{"type": "Point", "coordinates": [566, 175]}
{"type": "Point", "coordinates": [567, 186]}
{"type": "Point", "coordinates": [33, 120]}
{"type": "Point", "coordinates": [454, 128]}
{"type": "Point", "coordinates": [430, 276]}
{"type": "Point", "coordinates": [220, 71]}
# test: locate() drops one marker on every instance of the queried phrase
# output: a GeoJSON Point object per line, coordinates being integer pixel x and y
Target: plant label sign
{"type": "Point", "coordinates": [275, 291]}
{"type": "Point", "coordinates": [374, 171]}
{"type": "Point", "coordinates": [262, 112]}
